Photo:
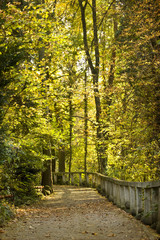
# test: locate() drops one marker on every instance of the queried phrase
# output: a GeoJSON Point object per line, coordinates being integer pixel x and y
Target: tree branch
{"type": "Point", "coordinates": [96, 45]}
{"type": "Point", "coordinates": [106, 13]}
{"type": "Point", "coordinates": [85, 36]}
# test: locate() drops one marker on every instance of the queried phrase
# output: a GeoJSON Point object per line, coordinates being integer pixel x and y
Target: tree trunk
{"type": "Point", "coordinates": [70, 132]}
{"type": "Point", "coordinates": [61, 149]}
{"type": "Point", "coordinates": [47, 177]}
{"type": "Point", "coordinates": [95, 76]}
{"type": "Point", "coordinates": [113, 56]}
{"type": "Point", "coordinates": [85, 123]}
{"type": "Point", "coordinates": [62, 157]}
{"type": "Point", "coordinates": [53, 161]}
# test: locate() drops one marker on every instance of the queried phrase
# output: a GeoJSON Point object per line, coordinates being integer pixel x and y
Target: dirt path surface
{"type": "Point", "coordinates": [74, 213]}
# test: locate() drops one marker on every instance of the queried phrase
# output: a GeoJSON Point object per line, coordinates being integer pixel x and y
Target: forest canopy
{"type": "Point", "coordinates": [79, 90]}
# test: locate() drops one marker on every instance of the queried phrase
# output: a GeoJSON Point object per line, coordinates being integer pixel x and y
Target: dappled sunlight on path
{"type": "Point", "coordinates": [75, 213]}
{"type": "Point", "coordinates": [69, 195]}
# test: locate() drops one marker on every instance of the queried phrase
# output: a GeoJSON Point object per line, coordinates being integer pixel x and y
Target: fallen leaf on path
{"type": "Point", "coordinates": [84, 232]}
{"type": "Point", "coordinates": [2, 231]}
{"type": "Point", "coordinates": [111, 235]}
{"type": "Point", "coordinates": [94, 234]}
{"type": "Point", "coordinates": [47, 235]}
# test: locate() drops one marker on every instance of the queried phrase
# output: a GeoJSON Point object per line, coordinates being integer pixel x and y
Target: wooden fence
{"type": "Point", "coordinates": [141, 199]}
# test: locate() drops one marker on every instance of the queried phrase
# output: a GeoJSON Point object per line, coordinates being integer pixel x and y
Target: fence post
{"type": "Point", "coordinates": [122, 201]}
{"type": "Point", "coordinates": [106, 187]}
{"type": "Point", "coordinates": [154, 206]}
{"type": "Point", "coordinates": [114, 186]}
{"type": "Point", "coordinates": [133, 200]}
{"type": "Point", "coordinates": [147, 217]}
{"type": "Point", "coordinates": [110, 191]}
{"type": "Point", "coordinates": [118, 196]}
{"type": "Point", "coordinates": [139, 202]}
{"type": "Point", "coordinates": [102, 186]}
{"type": "Point", "coordinates": [127, 198]}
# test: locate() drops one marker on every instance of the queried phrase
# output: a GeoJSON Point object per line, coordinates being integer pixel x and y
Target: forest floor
{"type": "Point", "coordinates": [75, 213]}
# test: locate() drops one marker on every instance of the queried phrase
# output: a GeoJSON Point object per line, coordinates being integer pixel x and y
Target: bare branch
{"type": "Point", "coordinates": [106, 13]}
{"type": "Point", "coordinates": [85, 36]}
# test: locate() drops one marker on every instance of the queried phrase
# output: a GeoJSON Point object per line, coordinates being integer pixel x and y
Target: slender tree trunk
{"type": "Point", "coordinates": [70, 131]}
{"type": "Point", "coordinates": [61, 149]}
{"type": "Point", "coordinates": [85, 123]}
{"type": "Point", "coordinates": [113, 57]}
{"type": "Point", "coordinates": [107, 87]}
{"type": "Point", "coordinates": [53, 160]}
{"type": "Point", "coordinates": [95, 76]}
{"type": "Point", "coordinates": [62, 157]}
{"type": "Point", "coordinates": [47, 176]}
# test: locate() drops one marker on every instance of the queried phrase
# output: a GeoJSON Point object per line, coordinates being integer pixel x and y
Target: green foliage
{"type": "Point", "coordinates": [6, 212]}
{"type": "Point", "coordinates": [134, 142]}
{"type": "Point", "coordinates": [42, 65]}
{"type": "Point", "coordinates": [20, 174]}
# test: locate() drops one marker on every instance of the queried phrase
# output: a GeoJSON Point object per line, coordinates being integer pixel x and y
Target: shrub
{"type": "Point", "coordinates": [6, 212]}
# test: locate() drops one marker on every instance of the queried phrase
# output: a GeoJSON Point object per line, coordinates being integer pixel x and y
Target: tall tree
{"type": "Point", "coordinates": [94, 64]}
{"type": "Point", "coordinates": [85, 122]}
{"type": "Point", "coordinates": [132, 110]}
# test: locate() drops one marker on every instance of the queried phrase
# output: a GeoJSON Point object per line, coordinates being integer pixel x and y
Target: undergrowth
{"type": "Point", "coordinates": [7, 212]}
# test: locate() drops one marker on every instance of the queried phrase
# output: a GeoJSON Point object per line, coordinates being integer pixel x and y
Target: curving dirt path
{"type": "Point", "coordinates": [75, 213]}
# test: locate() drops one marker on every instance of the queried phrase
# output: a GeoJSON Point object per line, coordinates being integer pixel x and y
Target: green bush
{"type": "Point", "coordinates": [6, 212]}
{"type": "Point", "coordinates": [19, 176]}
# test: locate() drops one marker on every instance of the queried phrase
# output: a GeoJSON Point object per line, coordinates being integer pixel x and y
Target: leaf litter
{"type": "Point", "coordinates": [75, 213]}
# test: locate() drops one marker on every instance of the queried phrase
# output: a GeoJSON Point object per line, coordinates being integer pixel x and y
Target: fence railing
{"type": "Point", "coordinates": [141, 199]}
